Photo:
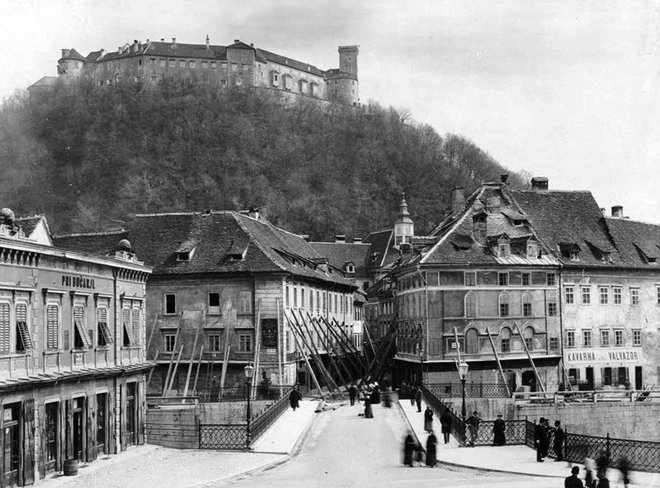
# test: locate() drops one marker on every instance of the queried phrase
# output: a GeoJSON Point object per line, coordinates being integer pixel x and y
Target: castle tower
{"type": "Point", "coordinates": [342, 83]}
{"type": "Point", "coordinates": [348, 60]}
{"type": "Point", "coordinates": [71, 64]}
{"type": "Point", "coordinates": [404, 228]}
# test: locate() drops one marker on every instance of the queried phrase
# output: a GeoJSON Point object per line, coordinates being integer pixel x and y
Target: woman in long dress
{"type": "Point", "coordinates": [408, 450]}
{"type": "Point", "coordinates": [431, 442]}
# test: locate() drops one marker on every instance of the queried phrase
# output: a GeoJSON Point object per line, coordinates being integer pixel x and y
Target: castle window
{"type": "Point", "coordinates": [205, 64]}
{"type": "Point", "coordinates": [504, 305]}
{"type": "Point", "coordinates": [525, 279]}
{"type": "Point", "coordinates": [182, 63]}
{"type": "Point", "coordinates": [192, 64]}
{"type": "Point", "coordinates": [550, 279]}
{"type": "Point", "coordinates": [162, 63]}
{"type": "Point", "coordinates": [527, 305]}
{"type": "Point", "coordinates": [503, 279]}
{"type": "Point", "coordinates": [214, 65]}
{"type": "Point", "coordinates": [172, 63]}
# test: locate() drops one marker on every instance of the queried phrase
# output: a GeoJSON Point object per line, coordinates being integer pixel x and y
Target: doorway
{"type": "Point", "coordinates": [11, 445]}
{"type": "Point", "coordinates": [639, 378]}
{"type": "Point", "coordinates": [77, 420]}
{"type": "Point", "coordinates": [131, 413]}
{"type": "Point", "coordinates": [589, 377]}
{"type": "Point", "coordinates": [52, 435]}
{"type": "Point", "coordinates": [529, 379]}
{"type": "Point", "coordinates": [101, 422]}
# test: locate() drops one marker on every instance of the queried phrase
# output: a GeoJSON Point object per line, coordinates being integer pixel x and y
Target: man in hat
{"type": "Point", "coordinates": [540, 440]}
{"type": "Point", "coordinates": [473, 422]}
{"type": "Point", "coordinates": [499, 438]}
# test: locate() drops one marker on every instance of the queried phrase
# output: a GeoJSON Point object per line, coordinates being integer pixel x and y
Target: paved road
{"type": "Point", "coordinates": [343, 449]}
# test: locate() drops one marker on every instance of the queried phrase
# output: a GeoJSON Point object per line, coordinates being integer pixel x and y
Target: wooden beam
{"type": "Point", "coordinates": [315, 355]}
{"type": "Point", "coordinates": [199, 364]}
{"type": "Point", "coordinates": [302, 352]}
{"type": "Point", "coordinates": [538, 377]}
{"type": "Point", "coordinates": [499, 364]}
{"type": "Point", "coordinates": [192, 353]}
{"type": "Point", "coordinates": [329, 348]}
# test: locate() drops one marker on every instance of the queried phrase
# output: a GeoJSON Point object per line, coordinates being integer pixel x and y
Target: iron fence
{"type": "Point", "coordinates": [239, 393]}
{"type": "Point", "coordinates": [270, 415]}
{"type": "Point", "coordinates": [222, 436]}
{"type": "Point", "coordinates": [472, 390]}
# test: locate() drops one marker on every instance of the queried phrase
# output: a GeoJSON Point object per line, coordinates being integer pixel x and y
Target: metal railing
{"type": "Point", "coordinates": [239, 393]}
{"type": "Point", "coordinates": [222, 436]}
{"type": "Point", "coordinates": [592, 396]}
{"type": "Point", "coordinates": [472, 390]}
{"type": "Point", "coordinates": [270, 415]}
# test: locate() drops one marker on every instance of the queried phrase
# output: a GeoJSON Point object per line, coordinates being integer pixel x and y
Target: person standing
{"type": "Point", "coordinates": [428, 419]}
{"type": "Point", "coordinates": [558, 443]}
{"type": "Point", "coordinates": [573, 481]}
{"type": "Point", "coordinates": [499, 427]}
{"type": "Point", "coordinates": [473, 422]}
{"type": "Point", "coordinates": [540, 439]}
{"type": "Point", "coordinates": [408, 450]}
{"type": "Point", "coordinates": [368, 411]}
{"type": "Point", "coordinates": [445, 423]}
{"type": "Point", "coordinates": [294, 398]}
{"type": "Point", "coordinates": [431, 442]}
{"type": "Point", "coordinates": [376, 393]}
{"type": "Point", "coordinates": [413, 394]}
{"type": "Point", "coordinates": [418, 399]}
{"type": "Point", "coordinates": [352, 393]}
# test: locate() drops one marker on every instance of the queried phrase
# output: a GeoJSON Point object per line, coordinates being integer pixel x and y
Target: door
{"type": "Point", "coordinates": [589, 376]}
{"type": "Point", "coordinates": [101, 422]}
{"type": "Point", "coordinates": [529, 379]}
{"type": "Point", "coordinates": [131, 414]}
{"type": "Point", "coordinates": [11, 444]}
{"type": "Point", "coordinates": [639, 378]}
{"type": "Point", "coordinates": [511, 380]}
{"type": "Point", "coordinates": [77, 429]}
{"type": "Point", "coordinates": [52, 435]}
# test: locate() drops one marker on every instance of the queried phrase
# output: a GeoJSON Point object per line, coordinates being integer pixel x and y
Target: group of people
{"type": "Point", "coordinates": [413, 392]}
{"type": "Point", "coordinates": [542, 434]}
{"type": "Point", "coordinates": [415, 455]}
{"type": "Point", "coordinates": [599, 480]}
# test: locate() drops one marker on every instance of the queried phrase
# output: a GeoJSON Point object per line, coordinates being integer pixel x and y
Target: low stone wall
{"type": "Point", "coordinates": [230, 412]}
{"type": "Point", "coordinates": [173, 427]}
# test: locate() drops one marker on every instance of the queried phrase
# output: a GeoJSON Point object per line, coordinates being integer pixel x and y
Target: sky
{"type": "Point", "coordinates": [569, 90]}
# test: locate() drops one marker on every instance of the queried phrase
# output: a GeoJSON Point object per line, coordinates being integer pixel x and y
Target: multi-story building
{"type": "Point", "coordinates": [224, 292]}
{"type": "Point", "coordinates": [72, 352]}
{"type": "Point", "coordinates": [238, 64]}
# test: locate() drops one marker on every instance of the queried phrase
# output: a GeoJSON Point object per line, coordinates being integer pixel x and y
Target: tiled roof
{"type": "Point", "coordinates": [382, 248]}
{"type": "Point", "coordinates": [635, 241]}
{"type": "Point", "coordinates": [73, 54]}
{"type": "Point", "coordinates": [28, 224]}
{"type": "Point", "coordinates": [45, 81]}
{"type": "Point", "coordinates": [99, 243]}
{"type": "Point", "coordinates": [574, 217]}
{"type": "Point", "coordinates": [283, 60]}
{"type": "Point", "coordinates": [185, 50]}
{"type": "Point", "coordinates": [339, 253]}
{"type": "Point", "coordinates": [224, 242]}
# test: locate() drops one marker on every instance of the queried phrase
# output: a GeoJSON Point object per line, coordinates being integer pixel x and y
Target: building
{"type": "Point", "coordinates": [610, 283]}
{"type": "Point", "coordinates": [72, 352]}
{"type": "Point", "coordinates": [229, 289]}
{"type": "Point", "coordinates": [238, 64]}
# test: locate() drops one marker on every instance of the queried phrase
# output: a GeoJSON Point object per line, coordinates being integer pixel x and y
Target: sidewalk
{"type": "Point", "coordinates": [148, 465]}
{"type": "Point", "coordinates": [508, 459]}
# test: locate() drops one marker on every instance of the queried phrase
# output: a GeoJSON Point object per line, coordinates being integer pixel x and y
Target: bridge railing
{"type": "Point", "coordinates": [472, 390]}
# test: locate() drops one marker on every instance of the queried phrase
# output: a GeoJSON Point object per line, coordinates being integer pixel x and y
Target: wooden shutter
{"type": "Point", "coordinates": [52, 326]}
{"type": "Point", "coordinates": [28, 444]}
{"type": "Point", "coordinates": [79, 319]}
{"type": "Point", "coordinates": [22, 326]}
{"type": "Point", "coordinates": [5, 327]}
{"type": "Point", "coordinates": [104, 330]}
{"type": "Point", "coordinates": [126, 320]}
{"type": "Point", "coordinates": [43, 436]}
{"type": "Point", "coordinates": [136, 326]}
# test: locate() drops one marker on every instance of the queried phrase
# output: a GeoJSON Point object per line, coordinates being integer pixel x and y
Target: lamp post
{"type": "Point", "coordinates": [249, 369]}
{"type": "Point", "coordinates": [462, 373]}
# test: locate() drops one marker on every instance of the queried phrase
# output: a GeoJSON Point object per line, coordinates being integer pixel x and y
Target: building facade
{"type": "Point", "coordinates": [238, 64]}
{"type": "Point", "coordinates": [72, 352]}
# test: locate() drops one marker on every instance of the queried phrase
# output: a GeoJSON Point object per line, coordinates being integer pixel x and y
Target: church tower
{"type": "Point", "coordinates": [404, 228]}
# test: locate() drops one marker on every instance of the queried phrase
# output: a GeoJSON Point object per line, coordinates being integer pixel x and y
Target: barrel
{"type": "Point", "coordinates": [70, 467]}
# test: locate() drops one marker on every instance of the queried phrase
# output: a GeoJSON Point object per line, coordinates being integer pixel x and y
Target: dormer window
{"type": "Point", "coordinates": [184, 256]}
{"type": "Point", "coordinates": [606, 257]}
{"type": "Point", "coordinates": [186, 250]}
{"type": "Point", "coordinates": [503, 249]}
{"type": "Point", "coordinates": [574, 255]}
{"type": "Point", "coordinates": [532, 249]}
{"type": "Point", "coordinates": [349, 268]}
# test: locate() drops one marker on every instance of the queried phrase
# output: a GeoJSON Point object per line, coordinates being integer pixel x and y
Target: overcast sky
{"type": "Point", "coordinates": [564, 89]}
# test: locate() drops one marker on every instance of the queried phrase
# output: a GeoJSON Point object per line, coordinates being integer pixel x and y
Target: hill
{"type": "Point", "coordinates": [88, 156]}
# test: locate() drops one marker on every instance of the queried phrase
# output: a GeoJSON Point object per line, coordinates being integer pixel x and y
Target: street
{"type": "Point", "coordinates": [343, 449]}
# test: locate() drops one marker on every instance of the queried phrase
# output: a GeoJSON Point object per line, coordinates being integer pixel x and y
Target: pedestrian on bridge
{"type": "Point", "coordinates": [431, 442]}
{"type": "Point", "coordinates": [428, 419]}
{"type": "Point", "coordinates": [408, 450]}
{"type": "Point", "coordinates": [499, 437]}
{"type": "Point", "coordinates": [540, 440]}
{"type": "Point", "coordinates": [573, 481]}
{"type": "Point", "coordinates": [473, 422]}
{"type": "Point", "coordinates": [352, 393]}
{"type": "Point", "coordinates": [558, 442]}
{"type": "Point", "coordinates": [418, 398]}
{"type": "Point", "coordinates": [445, 423]}
{"type": "Point", "coordinates": [294, 398]}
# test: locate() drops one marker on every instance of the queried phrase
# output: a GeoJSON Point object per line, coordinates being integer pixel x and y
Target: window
{"type": "Point", "coordinates": [52, 326]}
{"type": "Point", "coordinates": [634, 296]}
{"type": "Point", "coordinates": [104, 337]}
{"type": "Point", "coordinates": [214, 65]}
{"type": "Point", "coordinates": [170, 342]}
{"type": "Point", "coordinates": [586, 295]}
{"type": "Point", "coordinates": [554, 343]}
{"type": "Point", "coordinates": [152, 61]}
{"type": "Point", "coordinates": [503, 279]}
{"type": "Point", "coordinates": [214, 303]}
{"type": "Point", "coordinates": [525, 279]}
{"type": "Point", "coordinates": [528, 336]}
{"type": "Point", "coordinates": [23, 339]}
{"type": "Point", "coordinates": [318, 300]}
{"type": "Point", "coordinates": [80, 339]}
{"type": "Point", "coordinates": [607, 376]}
{"type": "Point", "coordinates": [504, 305]}
{"type": "Point", "coordinates": [244, 343]}
{"type": "Point", "coordinates": [286, 296]}
{"type": "Point", "coordinates": [505, 340]}
{"type": "Point", "coordinates": [182, 63]}
{"type": "Point", "coordinates": [136, 330]}
{"type": "Point", "coordinates": [246, 67]}
{"type": "Point", "coordinates": [172, 63]}
{"type": "Point", "coordinates": [126, 324]}
{"type": "Point", "coordinates": [604, 295]}
{"type": "Point", "coordinates": [162, 63]}
{"type": "Point", "coordinates": [302, 297]}
{"type": "Point", "coordinates": [586, 338]}
{"type": "Point", "coordinates": [616, 295]}
{"type": "Point", "coordinates": [637, 337]}
{"type": "Point", "coordinates": [471, 341]}
{"type": "Point", "coordinates": [570, 338]}
{"type": "Point", "coordinates": [552, 309]}
{"type": "Point", "coordinates": [205, 65]}
{"type": "Point", "coordinates": [192, 64]}
{"type": "Point", "coordinates": [503, 250]}
{"type": "Point", "coordinates": [170, 303]}
{"type": "Point", "coordinates": [214, 342]}
{"type": "Point", "coordinates": [311, 300]}
{"type": "Point", "coordinates": [527, 305]}
{"type": "Point", "coordinates": [605, 338]}
{"type": "Point", "coordinates": [470, 278]}
{"type": "Point", "coordinates": [295, 297]}
{"type": "Point", "coordinates": [245, 302]}
{"type": "Point", "coordinates": [532, 250]}
{"type": "Point", "coordinates": [574, 255]}
{"type": "Point", "coordinates": [551, 279]}
{"type": "Point", "coordinates": [234, 67]}
{"type": "Point", "coordinates": [618, 337]}
{"type": "Point", "coordinates": [470, 305]}
{"type": "Point", "coordinates": [569, 295]}
{"type": "Point", "coordinates": [5, 327]}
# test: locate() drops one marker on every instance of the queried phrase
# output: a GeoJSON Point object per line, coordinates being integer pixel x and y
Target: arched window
{"type": "Point", "coordinates": [471, 341]}
{"type": "Point", "coordinates": [527, 305]}
{"type": "Point", "coordinates": [470, 304]}
{"type": "Point", "coordinates": [504, 304]}
{"type": "Point", "coordinates": [505, 339]}
{"type": "Point", "coordinates": [528, 335]}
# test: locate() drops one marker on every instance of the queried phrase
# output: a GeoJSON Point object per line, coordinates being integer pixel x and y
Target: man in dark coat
{"type": "Point", "coordinates": [573, 481]}
{"type": "Point", "coordinates": [445, 423]}
{"type": "Point", "coordinates": [473, 422]}
{"type": "Point", "coordinates": [418, 399]}
{"type": "Point", "coordinates": [413, 394]}
{"type": "Point", "coordinates": [352, 393]}
{"type": "Point", "coordinates": [294, 398]}
{"type": "Point", "coordinates": [540, 440]}
{"type": "Point", "coordinates": [408, 450]}
{"type": "Point", "coordinates": [428, 419]}
{"type": "Point", "coordinates": [431, 442]}
{"type": "Point", "coordinates": [558, 442]}
{"type": "Point", "coordinates": [499, 438]}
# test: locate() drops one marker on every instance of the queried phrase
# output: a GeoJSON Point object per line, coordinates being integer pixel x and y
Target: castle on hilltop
{"type": "Point", "coordinates": [238, 64]}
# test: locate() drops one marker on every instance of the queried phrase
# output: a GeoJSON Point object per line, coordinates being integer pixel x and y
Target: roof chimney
{"type": "Point", "coordinates": [305, 237]}
{"type": "Point", "coordinates": [174, 43]}
{"type": "Point", "coordinates": [208, 42]}
{"type": "Point", "coordinates": [617, 211]}
{"type": "Point", "coordinates": [65, 52]}
{"type": "Point", "coordinates": [504, 178]}
{"type": "Point", "coordinates": [254, 213]}
{"type": "Point", "coordinates": [236, 41]}
{"type": "Point", "coordinates": [357, 240]}
{"type": "Point", "coordinates": [539, 183]}
{"type": "Point", "coordinates": [340, 238]}
{"type": "Point", "coordinates": [457, 200]}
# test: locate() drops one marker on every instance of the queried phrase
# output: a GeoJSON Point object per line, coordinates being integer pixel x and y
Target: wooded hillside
{"type": "Point", "coordinates": [88, 156]}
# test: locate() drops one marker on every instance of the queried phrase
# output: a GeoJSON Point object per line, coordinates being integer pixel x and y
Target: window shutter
{"type": "Point", "coordinates": [22, 326]}
{"type": "Point", "coordinates": [52, 326]}
{"type": "Point", "coordinates": [5, 327]}
{"type": "Point", "coordinates": [136, 325]}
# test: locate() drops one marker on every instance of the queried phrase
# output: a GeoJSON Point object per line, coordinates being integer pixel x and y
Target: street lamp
{"type": "Point", "coordinates": [462, 373]}
{"type": "Point", "coordinates": [249, 369]}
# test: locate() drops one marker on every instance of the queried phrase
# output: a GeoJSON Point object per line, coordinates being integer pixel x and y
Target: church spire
{"type": "Point", "coordinates": [404, 228]}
